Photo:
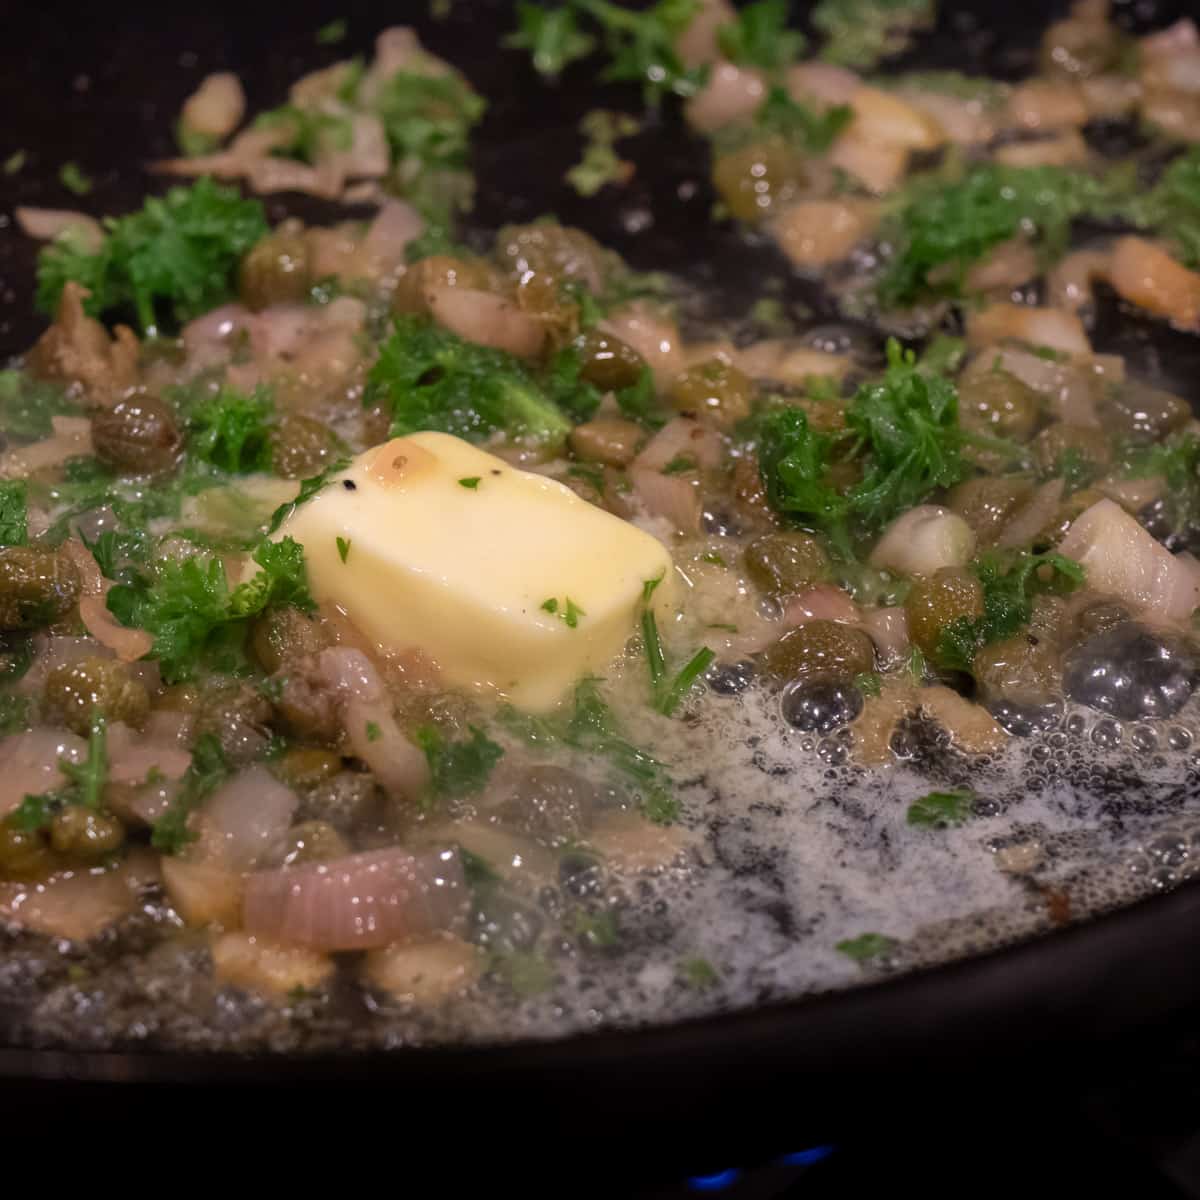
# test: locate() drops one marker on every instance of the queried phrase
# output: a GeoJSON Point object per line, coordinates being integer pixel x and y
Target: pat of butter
{"type": "Point", "coordinates": [467, 571]}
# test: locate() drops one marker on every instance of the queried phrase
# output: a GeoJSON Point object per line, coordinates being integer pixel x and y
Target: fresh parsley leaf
{"type": "Point", "coordinates": [811, 129]}
{"type": "Point", "coordinates": [308, 489]}
{"type": "Point", "coordinates": [674, 693]}
{"type": "Point", "coordinates": [471, 482]}
{"type": "Point", "coordinates": [477, 871]}
{"type": "Point", "coordinates": [1172, 206]}
{"type": "Point", "coordinates": [945, 226]}
{"type": "Point", "coordinates": [681, 464]}
{"type": "Point", "coordinates": [869, 685]}
{"type": "Point", "coordinates": [940, 809]}
{"type": "Point", "coordinates": [641, 46]}
{"type": "Point", "coordinates": [343, 548]}
{"type": "Point", "coordinates": [760, 37]}
{"type": "Point", "coordinates": [551, 36]}
{"type": "Point", "coordinates": [639, 401]}
{"type": "Point", "coordinates": [428, 121]}
{"type": "Point", "coordinates": [860, 33]}
{"type": "Point", "coordinates": [866, 946]}
{"type": "Point", "coordinates": [526, 973]}
{"type": "Point", "coordinates": [564, 387]}
{"type": "Point", "coordinates": [73, 177]}
{"type": "Point", "coordinates": [1009, 584]}
{"type": "Point", "coordinates": [208, 769]}
{"type": "Point", "coordinates": [374, 733]}
{"type": "Point", "coordinates": [458, 768]}
{"type": "Point", "coordinates": [113, 547]}
{"type": "Point", "coordinates": [170, 262]}
{"type": "Point", "coordinates": [698, 973]}
{"type": "Point", "coordinates": [86, 779]}
{"type": "Point", "coordinates": [597, 931]}
{"type": "Point", "coordinates": [13, 513]}
{"type": "Point", "coordinates": [1177, 461]}
{"type": "Point", "coordinates": [281, 581]}
{"type": "Point", "coordinates": [232, 431]}
{"type": "Point", "coordinates": [433, 379]}
{"type": "Point", "coordinates": [332, 33]}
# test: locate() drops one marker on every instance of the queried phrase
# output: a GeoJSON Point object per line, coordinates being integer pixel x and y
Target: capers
{"type": "Point", "coordinates": [285, 635]}
{"type": "Point", "coordinates": [552, 249]}
{"type": "Point", "coordinates": [76, 691]}
{"type": "Point", "coordinates": [84, 833]}
{"type": "Point", "coordinates": [715, 390]}
{"type": "Point", "coordinates": [139, 435]}
{"type": "Point", "coordinates": [313, 841]}
{"type": "Point", "coordinates": [1100, 617]}
{"type": "Point", "coordinates": [612, 441]}
{"type": "Point", "coordinates": [783, 564]}
{"type": "Point", "coordinates": [440, 271]}
{"type": "Point", "coordinates": [987, 502]}
{"type": "Point", "coordinates": [819, 650]}
{"type": "Point", "coordinates": [934, 604]}
{"type": "Point", "coordinates": [999, 404]}
{"type": "Point", "coordinates": [756, 180]}
{"type": "Point", "coordinates": [306, 766]}
{"type": "Point", "coordinates": [1089, 444]}
{"type": "Point", "coordinates": [276, 271]}
{"type": "Point", "coordinates": [301, 446]}
{"type": "Point", "coordinates": [37, 586]}
{"type": "Point", "coordinates": [1144, 414]}
{"type": "Point", "coordinates": [607, 362]}
{"type": "Point", "coordinates": [749, 495]}
{"type": "Point", "coordinates": [24, 854]}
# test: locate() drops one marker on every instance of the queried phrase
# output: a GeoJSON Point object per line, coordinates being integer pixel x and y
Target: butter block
{"type": "Point", "coordinates": [509, 581]}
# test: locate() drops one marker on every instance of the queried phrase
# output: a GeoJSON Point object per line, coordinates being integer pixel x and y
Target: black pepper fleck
{"type": "Point", "coordinates": [350, 485]}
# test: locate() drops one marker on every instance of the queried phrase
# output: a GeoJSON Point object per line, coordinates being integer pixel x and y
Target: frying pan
{"type": "Point", "coordinates": [102, 88]}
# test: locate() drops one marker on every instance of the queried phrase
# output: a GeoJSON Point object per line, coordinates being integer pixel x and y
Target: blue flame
{"type": "Point", "coordinates": [714, 1183]}
{"type": "Point", "coordinates": [805, 1158]}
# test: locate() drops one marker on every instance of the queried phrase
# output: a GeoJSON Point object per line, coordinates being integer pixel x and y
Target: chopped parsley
{"type": "Point", "coordinates": [343, 547]}
{"type": "Point", "coordinates": [525, 972]}
{"type": "Point", "coordinates": [13, 513]}
{"type": "Point", "coordinates": [170, 262]}
{"type": "Point", "coordinates": [374, 733]}
{"type": "Point", "coordinates": [308, 489]}
{"type": "Point", "coordinates": [601, 165]}
{"type": "Point", "coordinates": [866, 946]}
{"type": "Point", "coordinates": [333, 33]}
{"type": "Point", "coordinates": [73, 177]}
{"type": "Point", "coordinates": [188, 607]}
{"type": "Point", "coordinates": [597, 931]}
{"type": "Point", "coordinates": [433, 379]}
{"type": "Point", "coordinates": [905, 432]}
{"type": "Point", "coordinates": [457, 768]}
{"type": "Point", "coordinates": [551, 36]}
{"type": "Point", "coordinates": [1177, 461]}
{"type": "Point", "coordinates": [860, 33]}
{"type": "Point", "coordinates": [1009, 584]}
{"type": "Point", "coordinates": [85, 782]}
{"type": "Point", "coordinates": [941, 809]}
{"type": "Point", "coordinates": [1172, 207]}
{"type": "Point", "coordinates": [810, 129]}
{"type": "Point", "coordinates": [760, 36]}
{"type": "Point", "coordinates": [208, 769]}
{"type": "Point", "coordinates": [231, 431]}
{"type": "Point", "coordinates": [471, 482]}
{"type": "Point", "coordinates": [698, 973]}
{"type": "Point", "coordinates": [680, 465]}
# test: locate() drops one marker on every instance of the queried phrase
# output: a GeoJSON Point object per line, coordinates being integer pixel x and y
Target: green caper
{"type": "Point", "coordinates": [749, 495]}
{"type": "Point", "coordinates": [755, 181]}
{"type": "Point", "coordinates": [1021, 669]}
{"type": "Point", "coordinates": [713, 389]}
{"type": "Point", "coordinates": [24, 854]}
{"type": "Point", "coordinates": [37, 586]}
{"type": "Point", "coordinates": [275, 271]}
{"type": "Point", "coordinates": [306, 766]}
{"type": "Point", "coordinates": [987, 502]}
{"type": "Point", "coordinates": [1144, 414]}
{"type": "Point", "coordinates": [75, 691]}
{"type": "Point", "coordinates": [607, 362]}
{"type": "Point", "coordinates": [285, 635]}
{"type": "Point", "coordinates": [313, 841]}
{"type": "Point", "coordinates": [551, 249]}
{"type": "Point", "coordinates": [783, 564]}
{"type": "Point", "coordinates": [301, 446]}
{"type": "Point", "coordinates": [1099, 618]}
{"type": "Point", "coordinates": [819, 650]}
{"type": "Point", "coordinates": [1090, 444]}
{"type": "Point", "coordinates": [139, 435]}
{"type": "Point", "coordinates": [999, 404]}
{"type": "Point", "coordinates": [84, 833]}
{"type": "Point", "coordinates": [440, 271]}
{"type": "Point", "coordinates": [935, 603]}
{"type": "Point", "coordinates": [180, 698]}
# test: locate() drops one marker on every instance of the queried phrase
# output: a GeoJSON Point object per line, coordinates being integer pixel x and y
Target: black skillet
{"type": "Point", "coordinates": [102, 88]}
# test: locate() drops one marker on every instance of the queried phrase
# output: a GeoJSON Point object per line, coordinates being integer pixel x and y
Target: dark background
{"type": "Point", "coordinates": [1074, 1063]}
